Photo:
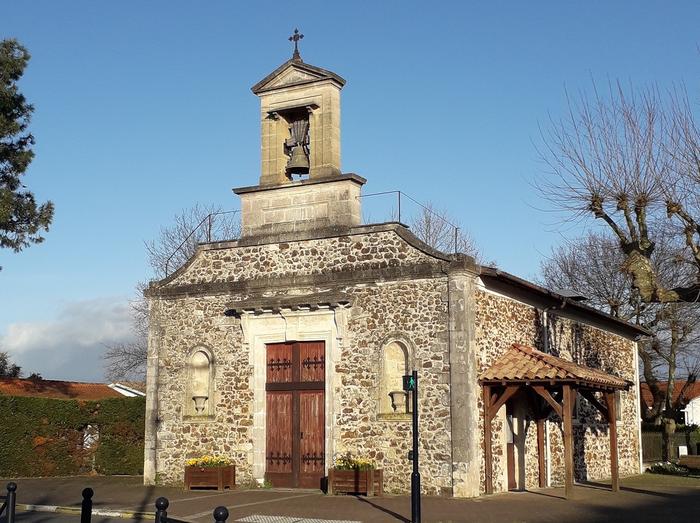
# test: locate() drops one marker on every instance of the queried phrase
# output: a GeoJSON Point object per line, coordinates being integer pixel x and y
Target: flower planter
{"type": "Point", "coordinates": [368, 482]}
{"type": "Point", "coordinates": [219, 478]}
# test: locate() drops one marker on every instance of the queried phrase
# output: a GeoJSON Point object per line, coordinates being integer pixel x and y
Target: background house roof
{"type": "Point", "coordinates": [56, 389]}
{"type": "Point", "coordinates": [690, 393]}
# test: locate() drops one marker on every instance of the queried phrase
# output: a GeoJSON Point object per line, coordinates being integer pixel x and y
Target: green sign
{"type": "Point", "coordinates": [409, 383]}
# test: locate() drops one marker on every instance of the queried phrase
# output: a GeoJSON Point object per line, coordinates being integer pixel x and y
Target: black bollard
{"type": "Point", "coordinates": [220, 514]}
{"type": "Point", "coordinates": [161, 508]}
{"type": "Point", "coordinates": [11, 501]}
{"type": "Point", "coordinates": [86, 506]}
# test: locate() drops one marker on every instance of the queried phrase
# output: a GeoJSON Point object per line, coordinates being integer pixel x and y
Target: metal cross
{"type": "Point", "coordinates": [295, 38]}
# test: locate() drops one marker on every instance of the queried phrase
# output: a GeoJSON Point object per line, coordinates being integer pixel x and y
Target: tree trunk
{"type": "Point", "coordinates": [667, 439]}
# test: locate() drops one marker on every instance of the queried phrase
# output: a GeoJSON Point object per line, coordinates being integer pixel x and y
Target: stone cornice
{"type": "Point", "coordinates": [352, 177]}
{"type": "Point", "coordinates": [315, 301]}
{"type": "Point", "coordinates": [319, 73]}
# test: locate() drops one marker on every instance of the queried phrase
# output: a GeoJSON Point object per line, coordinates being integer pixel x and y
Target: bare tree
{"type": "Point", "coordinates": [178, 241]}
{"type": "Point", "coordinates": [592, 266]}
{"type": "Point", "coordinates": [8, 369]}
{"type": "Point", "coordinates": [631, 160]}
{"type": "Point", "coordinates": [443, 232]}
{"type": "Point", "coordinates": [175, 244]}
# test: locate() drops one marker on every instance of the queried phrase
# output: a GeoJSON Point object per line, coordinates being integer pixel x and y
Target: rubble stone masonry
{"type": "Point", "coordinates": [502, 321]}
{"type": "Point", "coordinates": [414, 311]}
{"type": "Point", "coordinates": [392, 289]}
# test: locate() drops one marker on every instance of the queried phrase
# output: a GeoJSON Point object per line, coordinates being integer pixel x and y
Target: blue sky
{"type": "Point", "coordinates": [144, 108]}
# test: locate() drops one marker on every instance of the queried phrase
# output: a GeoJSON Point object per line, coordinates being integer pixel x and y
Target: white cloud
{"type": "Point", "coordinates": [70, 346]}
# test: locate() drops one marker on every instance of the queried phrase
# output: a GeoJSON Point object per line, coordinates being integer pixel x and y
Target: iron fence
{"type": "Point", "coordinates": [216, 226]}
{"type": "Point", "coordinates": [430, 226]}
{"type": "Point", "coordinates": [8, 505]}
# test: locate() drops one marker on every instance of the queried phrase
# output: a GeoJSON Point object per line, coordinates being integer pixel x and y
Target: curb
{"type": "Point", "coordinates": [122, 514]}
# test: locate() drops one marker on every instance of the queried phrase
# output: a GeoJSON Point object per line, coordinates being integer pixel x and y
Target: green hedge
{"type": "Point", "coordinates": [44, 437]}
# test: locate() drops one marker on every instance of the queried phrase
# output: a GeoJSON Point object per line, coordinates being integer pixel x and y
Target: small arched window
{"type": "Point", "coordinates": [393, 400]}
{"type": "Point", "coordinates": [199, 401]}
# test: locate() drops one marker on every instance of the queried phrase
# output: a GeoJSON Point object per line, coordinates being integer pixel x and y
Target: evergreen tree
{"type": "Point", "coordinates": [21, 219]}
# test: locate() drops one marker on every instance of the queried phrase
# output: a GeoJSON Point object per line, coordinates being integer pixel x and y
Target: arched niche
{"type": "Point", "coordinates": [199, 395]}
{"type": "Point", "coordinates": [395, 362]}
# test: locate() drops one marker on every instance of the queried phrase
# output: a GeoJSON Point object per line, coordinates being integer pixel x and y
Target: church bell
{"type": "Point", "coordinates": [299, 161]}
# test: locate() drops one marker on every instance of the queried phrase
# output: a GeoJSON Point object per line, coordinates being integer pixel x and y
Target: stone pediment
{"type": "Point", "coordinates": [294, 72]}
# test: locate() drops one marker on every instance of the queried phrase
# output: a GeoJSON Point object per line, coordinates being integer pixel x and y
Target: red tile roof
{"type": "Point", "coordinates": [521, 363]}
{"type": "Point", "coordinates": [692, 392]}
{"type": "Point", "coordinates": [56, 389]}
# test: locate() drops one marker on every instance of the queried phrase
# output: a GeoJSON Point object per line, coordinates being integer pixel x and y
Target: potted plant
{"type": "Point", "coordinates": [355, 475]}
{"type": "Point", "coordinates": [210, 472]}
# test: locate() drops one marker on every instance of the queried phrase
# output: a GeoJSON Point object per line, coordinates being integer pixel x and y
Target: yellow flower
{"type": "Point", "coordinates": [208, 461]}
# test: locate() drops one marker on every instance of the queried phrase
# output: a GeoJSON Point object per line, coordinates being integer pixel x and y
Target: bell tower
{"type": "Point", "coordinates": [300, 115]}
{"type": "Point", "coordinates": [301, 185]}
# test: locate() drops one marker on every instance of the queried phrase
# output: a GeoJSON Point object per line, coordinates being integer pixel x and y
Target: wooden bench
{"type": "Point", "coordinates": [692, 462]}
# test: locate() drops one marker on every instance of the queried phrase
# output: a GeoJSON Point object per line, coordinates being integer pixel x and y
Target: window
{"type": "Point", "coordinates": [393, 400]}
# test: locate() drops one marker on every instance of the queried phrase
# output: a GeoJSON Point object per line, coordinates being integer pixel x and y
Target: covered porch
{"type": "Point", "coordinates": [548, 384]}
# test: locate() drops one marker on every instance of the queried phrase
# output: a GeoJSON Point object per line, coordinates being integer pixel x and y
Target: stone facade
{"type": "Point", "coordinates": [381, 311]}
{"type": "Point", "coordinates": [501, 321]}
{"type": "Point", "coordinates": [393, 290]}
{"type": "Point", "coordinates": [383, 303]}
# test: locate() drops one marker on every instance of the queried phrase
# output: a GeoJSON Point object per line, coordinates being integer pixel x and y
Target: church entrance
{"type": "Point", "coordinates": [295, 401]}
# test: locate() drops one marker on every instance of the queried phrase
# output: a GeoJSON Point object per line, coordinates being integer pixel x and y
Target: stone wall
{"type": "Point", "coordinates": [416, 312]}
{"type": "Point", "coordinates": [406, 300]}
{"type": "Point", "coordinates": [412, 311]}
{"type": "Point", "coordinates": [185, 324]}
{"type": "Point", "coordinates": [502, 321]}
{"type": "Point", "coordinates": [338, 254]}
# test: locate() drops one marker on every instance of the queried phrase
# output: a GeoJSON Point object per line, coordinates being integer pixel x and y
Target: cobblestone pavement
{"type": "Point", "coordinates": [643, 498]}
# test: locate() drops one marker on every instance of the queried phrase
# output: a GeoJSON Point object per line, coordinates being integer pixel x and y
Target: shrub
{"type": "Point", "coordinates": [668, 468]}
{"type": "Point", "coordinates": [45, 437]}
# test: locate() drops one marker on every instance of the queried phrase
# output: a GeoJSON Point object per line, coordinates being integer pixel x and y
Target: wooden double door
{"type": "Point", "coordinates": [295, 390]}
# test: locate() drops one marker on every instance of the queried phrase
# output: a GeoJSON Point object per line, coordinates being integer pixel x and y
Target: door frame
{"type": "Point", "coordinates": [324, 324]}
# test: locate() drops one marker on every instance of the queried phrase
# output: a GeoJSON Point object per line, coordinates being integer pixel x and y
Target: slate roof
{"type": "Point", "coordinates": [523, 364]}
{"type": "Point", "coordinates": [66, 390]}
{"type": "Point", "coordinates": [504, 282]}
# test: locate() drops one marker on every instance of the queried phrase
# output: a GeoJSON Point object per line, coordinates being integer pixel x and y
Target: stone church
{"type": "Point", "coordinates": [285, 348]}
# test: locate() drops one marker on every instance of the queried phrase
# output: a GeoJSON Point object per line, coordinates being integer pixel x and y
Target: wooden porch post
{"type": "Point", "coordinates": [488, 458]}
{"type": "Point", "coordinates": [540, 451]}
{"type": "Point", "coordinates": [568, 407]}
{"type": "Point", "coordinates": [612, 428]}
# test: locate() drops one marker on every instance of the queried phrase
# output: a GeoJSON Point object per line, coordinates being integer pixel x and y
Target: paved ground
{"type": "Point", "coordinates": [43, 517]}
{"type": "Point", "coordinates": [643, 498]}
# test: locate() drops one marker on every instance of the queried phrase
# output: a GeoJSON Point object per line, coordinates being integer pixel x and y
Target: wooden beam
{"type": "Point", "coordinates": [568, 408]}
{"type": "Point", "coordinates": [540, 452]}
{"type": "Point", "coordinates": [507, 394]}
{"type": "Point", "coordinates": [612, 428]}
{"type": "Point", "coordinates": [539, 389]}
{"type": "Point", "coordinates": [488, 457]}
{"type": "Point", "coordinates": [592, 399]}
